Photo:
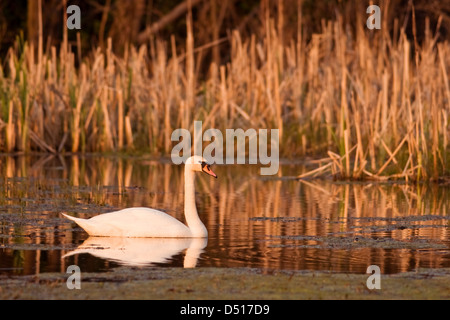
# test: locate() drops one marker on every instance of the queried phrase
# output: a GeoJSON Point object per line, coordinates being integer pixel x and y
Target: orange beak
{"type": "Point", "coordinates": [207, 169]}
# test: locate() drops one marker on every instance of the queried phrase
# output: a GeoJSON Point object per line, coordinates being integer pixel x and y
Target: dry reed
{"type": "Point", "coordinates": [360, 97]}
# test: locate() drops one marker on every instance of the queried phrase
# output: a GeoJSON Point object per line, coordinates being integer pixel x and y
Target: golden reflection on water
{"type": "Point", "coordinates": [253, 221]}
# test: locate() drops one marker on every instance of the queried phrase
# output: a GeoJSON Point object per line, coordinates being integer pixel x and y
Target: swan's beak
{"type": "Point", "coordinates": [207, 169]}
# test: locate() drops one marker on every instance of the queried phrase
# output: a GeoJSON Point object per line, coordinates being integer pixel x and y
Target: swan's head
{"type": "Point", "coordinates": [198, 163]}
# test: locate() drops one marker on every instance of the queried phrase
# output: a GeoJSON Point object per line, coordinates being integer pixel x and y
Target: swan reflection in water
{"type": "Point", "coordinates": [142, 251]}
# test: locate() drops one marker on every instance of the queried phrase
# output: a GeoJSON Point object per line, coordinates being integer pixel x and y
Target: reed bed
{"type": "Point", "coordinates": [371, 104]}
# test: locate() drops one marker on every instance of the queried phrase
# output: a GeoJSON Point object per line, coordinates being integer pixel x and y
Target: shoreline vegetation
{"type": "Point", "coordinates": [228, 284]}
{"type": "Point", "coordinates": [369, 104]}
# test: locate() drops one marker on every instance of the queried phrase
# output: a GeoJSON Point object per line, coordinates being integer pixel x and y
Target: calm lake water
{"type": "Point", "coordinates": [252, 220]}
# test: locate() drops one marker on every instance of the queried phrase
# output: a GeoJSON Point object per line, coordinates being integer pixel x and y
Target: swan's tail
{"type": "Point", "coordinates": [77, 220]}
{"type": "Point", "coordinates": [83, 223]}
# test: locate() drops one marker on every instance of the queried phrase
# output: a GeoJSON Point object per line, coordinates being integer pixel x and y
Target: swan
{"type": "Point", "coordinates": [151, 223]}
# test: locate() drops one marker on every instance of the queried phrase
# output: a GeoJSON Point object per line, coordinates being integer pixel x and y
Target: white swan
{"type": "Point", "coordinates": [151, 223]}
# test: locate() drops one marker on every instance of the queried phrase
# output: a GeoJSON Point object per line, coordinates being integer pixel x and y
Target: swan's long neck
{"type": "Point", "coordinates": [194, 223]}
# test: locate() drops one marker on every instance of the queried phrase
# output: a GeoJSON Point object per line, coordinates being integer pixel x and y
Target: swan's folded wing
{"type": "Point", "coordinates": [137, 222]}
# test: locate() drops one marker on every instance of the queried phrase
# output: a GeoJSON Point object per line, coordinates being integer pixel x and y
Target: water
{"type": "Point", "coordinates": [253, 221]}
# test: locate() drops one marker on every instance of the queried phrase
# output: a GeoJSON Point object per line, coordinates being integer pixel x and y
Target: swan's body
{"type": "Point", "coordinates": [151, 223]}
{"type": "Point", "coordinates": [134, 222]}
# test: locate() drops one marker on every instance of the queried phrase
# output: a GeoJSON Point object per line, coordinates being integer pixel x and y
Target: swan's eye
{"type": "Point", "coordinates": [206, 166]}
